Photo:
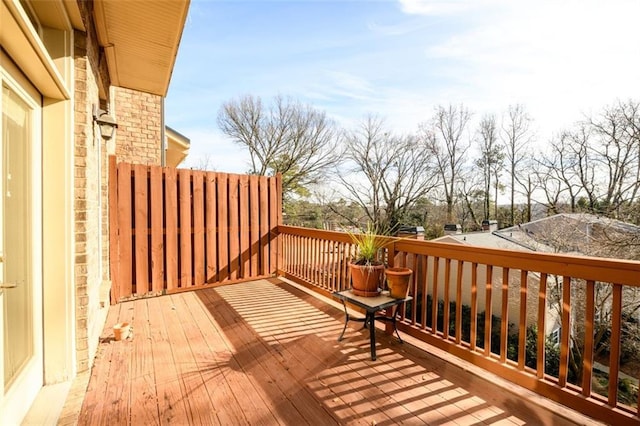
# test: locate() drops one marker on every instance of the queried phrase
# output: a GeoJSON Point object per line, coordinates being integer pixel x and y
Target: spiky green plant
{"type": "Point", "coordinates": [368, 243]}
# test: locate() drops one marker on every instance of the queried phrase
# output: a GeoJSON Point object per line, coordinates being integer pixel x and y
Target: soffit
{"type": "Point", "coordinates": [141, 40]}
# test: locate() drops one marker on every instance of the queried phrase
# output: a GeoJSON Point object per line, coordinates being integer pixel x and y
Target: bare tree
{"type": "Point", "coordinates": [471, 194]}
{"type": "Point", "coordinates": [386, 174]}
{"type": "Point", "coordinates": [617, 152]}
{"type": "Point", "coordinates": [577, 147]}
{"type": "Point", "coordinates": [597, 163]}
{"type": "Point", "coordinates": [204, 162]}
{"type": "Point", "coordinates": [516, 135]}
{"type": "Point", "coordinates": [528, 185]}
{"type": "Point", "coordinates": [556, 175]}
{"type": "Point", "coordinates": [285, 137]}
{"type": "Point", "coordinates": [444, 139]}
{"type": "Point", "coordinates": [491, 160]}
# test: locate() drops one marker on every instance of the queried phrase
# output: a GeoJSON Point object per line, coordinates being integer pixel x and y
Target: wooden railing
{"type": "Point", "coordinates": [177, 229]}
{"type": "Point", "coordinates": [496, 309]}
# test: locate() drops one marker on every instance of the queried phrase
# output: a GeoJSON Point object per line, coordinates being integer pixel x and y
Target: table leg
{"type": "Point", "coordinates": [346, 320]}
{"type": "Point", "coordinates": [372, 334]}
{"type": "Point", "coordinates": [395, 327]}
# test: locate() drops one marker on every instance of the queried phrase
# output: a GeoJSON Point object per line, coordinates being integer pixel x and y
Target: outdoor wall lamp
{"type": "Point", "coordinates": [106, 123]}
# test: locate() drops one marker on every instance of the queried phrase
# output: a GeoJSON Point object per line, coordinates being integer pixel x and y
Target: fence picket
{"type": "Point", "coordinates": [211, 225]}
{"type": "Point", "coordinates": [254, 223]}
{"type": "Point", "coordinates": [243, 212]}
{"type": "Point", "coordinates": [184, 221]}
{"type": "Point", "coordinates": [223, 227]}
{"type": "Point", "coordinates": [234, 227]}
{"type": "Point", "coordinates": [124, 230]}
{"type": "Point", "coordinates": [171, 227]}
{"type": "Point", "coordinates": [263, 219]}
{"type": "Point", "coordinates": [198, 228]}
{"type": "Point", "coordinates": [141, 226]}
{"type": "Point", "coordinates": [157, 234]}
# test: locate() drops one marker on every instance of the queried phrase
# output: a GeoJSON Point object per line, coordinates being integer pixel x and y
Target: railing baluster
{"type": "Point", "coordinates": [306, 258]}
{"type": "Point", "coordinates": [458, 326]}
{"type": "Point", "coordinates": [315, 261]}
{"type": "Point", "coordinates": [347, 270]}
{"type": "Point", "coordinates": [301, 258]}
{"type": "Point", "coordinates": [326, 277]}
{"type": "Point", "coordinates": [487, 310]}
{"type": "Point", "coordinates": [424, 283]}
{"type": "Point", "coordinates": [445, 317]}
{"type": "Point", "coordinates": [473, 333]}
{"type": "Point", "coordinates": [434, 296]}
{"type": "Point", "coordinates": [328, 258]}
{"type": "Point", "coordinates": [337, 262]}
{"type": "Point", "coordinates": [413, 285]}
{"type": "Point", "coordinates": [541, 338]}
{"type": "Point", "coordinates": [587, 356]}
{"type": "Point", "coordinates": [614, 353]}
{"type": "Point", "coordinates": [565, 331]}
{"type": "Point", "coordinates": [320, 257]}
{"type": "Point", "coordinates": [504, 320]}
{"type": "Point", "coordinates": [522, 328]}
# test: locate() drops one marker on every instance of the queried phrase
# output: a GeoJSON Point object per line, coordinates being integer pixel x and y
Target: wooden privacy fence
{"type": "Point", "coordinates": [177, 229]}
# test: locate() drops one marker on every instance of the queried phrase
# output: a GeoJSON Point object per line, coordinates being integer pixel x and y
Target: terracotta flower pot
{"type": "Point", "coordinates": [366, 279]}
{"type": "Point", "coordinates": [398, 281]}
{"type": "Point", "coordinates": [121, 331]}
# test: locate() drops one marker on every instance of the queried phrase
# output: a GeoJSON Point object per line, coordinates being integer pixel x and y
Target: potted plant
{"type": "Point", "coordinates": [367, 271]}
{"type": "Point", "coordinates": [398, 281]}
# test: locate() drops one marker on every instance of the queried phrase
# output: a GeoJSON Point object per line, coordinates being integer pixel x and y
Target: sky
{"type": "Point", "coordinates": [399, 59]}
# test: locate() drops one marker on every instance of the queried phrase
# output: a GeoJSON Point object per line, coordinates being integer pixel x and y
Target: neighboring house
{"type": "Point", "coordinates": [579, 234]}
{"type": "Point", "coordinates": [177, 147]}
{"type": "Point", "coordinates": [489, 238]}
{"type": "Point", "coordinates": [575, 234]}
{"type": "Point", "coordinates": [65, 67]}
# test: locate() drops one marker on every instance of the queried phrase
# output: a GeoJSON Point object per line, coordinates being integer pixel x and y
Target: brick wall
{"type": "Point", "coordinates": [90, 80]}
{"type": "Point", "coordinates": [139, 126]}
{"type": "Point", "coordinates": [137, 140]}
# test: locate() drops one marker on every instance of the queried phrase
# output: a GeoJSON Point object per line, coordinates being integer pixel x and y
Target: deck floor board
{"type": "Point", "coordinates": [266, 353]}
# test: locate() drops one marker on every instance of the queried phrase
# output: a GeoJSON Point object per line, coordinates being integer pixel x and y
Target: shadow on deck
{"type": "Point", "coordinates": [265, 352]}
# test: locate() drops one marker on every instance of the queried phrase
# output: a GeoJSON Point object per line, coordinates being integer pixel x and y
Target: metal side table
{"type": "Point", "coordinates": [371, 305]}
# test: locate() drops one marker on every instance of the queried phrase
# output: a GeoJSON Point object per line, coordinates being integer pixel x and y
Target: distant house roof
{"type": "Point", "coordinates": [573, 220]}
{"type": "Point", "coordinates": [177, 147]}
{"type": "Point", "coordinates": [485, 239]}
{"type": "Point", "coordinates": [572, 233]}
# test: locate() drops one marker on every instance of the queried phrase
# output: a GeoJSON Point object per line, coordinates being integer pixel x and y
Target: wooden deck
{"type": "Point", "coordinates": [266, 353]}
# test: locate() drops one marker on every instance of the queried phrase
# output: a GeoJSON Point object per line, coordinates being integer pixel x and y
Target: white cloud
{"type": "Point", "coordinates": [212, 149]}
{"type": "Point", "coordinates": [430, 7]}
{"type": "Point", "coordinates": [558, 58]}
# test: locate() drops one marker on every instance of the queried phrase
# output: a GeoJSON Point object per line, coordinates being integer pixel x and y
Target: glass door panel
{"type": "Point", "coordinates": [17, 315]}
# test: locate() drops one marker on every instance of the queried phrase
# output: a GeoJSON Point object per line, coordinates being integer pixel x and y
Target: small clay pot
{"type": "Point", "coordinates": [398, 281]}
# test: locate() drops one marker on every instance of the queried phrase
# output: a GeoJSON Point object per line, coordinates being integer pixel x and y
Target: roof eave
{"type": "Point", "coordinates": [141, 41]}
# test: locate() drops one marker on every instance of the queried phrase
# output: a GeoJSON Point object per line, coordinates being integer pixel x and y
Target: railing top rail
{"type": "Point", "coordinates": [626, 272]}
{"type": "Point", "coordinates": [588, 268]}
{"type": "Point", "coordinates": [340, 237]}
